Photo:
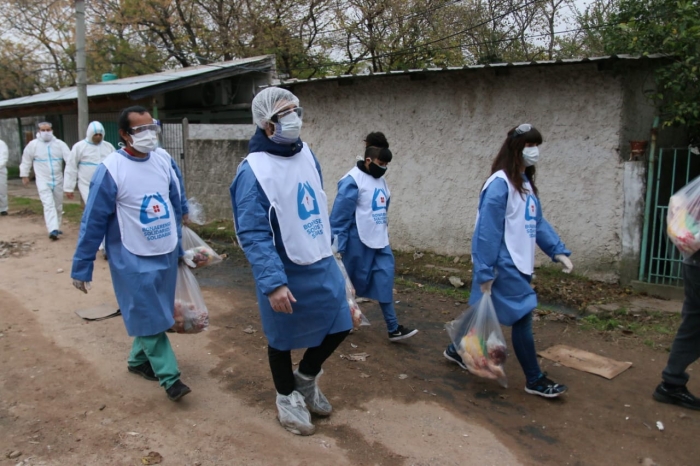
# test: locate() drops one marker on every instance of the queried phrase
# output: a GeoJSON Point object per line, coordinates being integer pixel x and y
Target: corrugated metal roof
{"type": "Point", "coordinates": [567, 61]}
{"type": "Point", "coordinates": [142, 86]}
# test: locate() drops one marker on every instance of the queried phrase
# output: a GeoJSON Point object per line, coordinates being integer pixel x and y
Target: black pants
{"type": "Point", "coordinates": [686, 346]}
{"type": "Point", "coordinates": [281, 362]}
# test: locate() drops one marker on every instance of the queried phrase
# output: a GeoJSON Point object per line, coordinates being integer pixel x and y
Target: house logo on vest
{"type": "Point", "coordinates": [531, 216]}
{"type": "Point", "coordinates": [379, 201]}
{"type": "Point", "coordinates": [308, 206]}
{"type": "Point", "coordinates": [154, 208]}
{"type": "Point", "coordinates": [306, 198]}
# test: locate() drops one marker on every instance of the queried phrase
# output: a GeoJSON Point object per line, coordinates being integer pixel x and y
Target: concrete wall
{"type": "Point", "coordinates": [445, 130]}
{"type": "Point", "coordinates": [632, 220]}
{"type": "Point", "coordinates": [212, 155]}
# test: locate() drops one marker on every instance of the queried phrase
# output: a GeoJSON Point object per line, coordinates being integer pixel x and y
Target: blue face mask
{"type": "Point", "coordinates": [531, 155]}
{"type": "Point", "coordinates": [287, 129]}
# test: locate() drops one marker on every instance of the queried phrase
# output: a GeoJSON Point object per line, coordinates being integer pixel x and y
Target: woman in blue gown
{"type": "Point", "coordinates": [509, 225]}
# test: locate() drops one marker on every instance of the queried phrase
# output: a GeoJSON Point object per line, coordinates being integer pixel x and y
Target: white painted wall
{"type": "Point", "coordinates": [444, 132]}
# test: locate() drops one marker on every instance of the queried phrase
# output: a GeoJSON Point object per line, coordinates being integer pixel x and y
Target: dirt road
{"type": "Point", "coordinates": [66, 397]}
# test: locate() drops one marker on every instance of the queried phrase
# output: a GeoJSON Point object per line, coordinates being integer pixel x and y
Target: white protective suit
{"type": "Point", "coordinates": [4, 155]}
{"type": "Point", "coordinates": [84, 159]}
{"type": "Point", "coordinates": [47, 159]}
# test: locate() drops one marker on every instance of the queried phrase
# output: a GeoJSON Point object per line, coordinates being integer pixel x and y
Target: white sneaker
{"type": "Point", "coordinates": [308, 386]}
{"type": "Point", "coordinates": [293, 415]}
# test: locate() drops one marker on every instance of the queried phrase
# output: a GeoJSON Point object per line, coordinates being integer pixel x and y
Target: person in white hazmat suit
{"type": "Point", "coordinates": [85, 156]}
{"type": "Point", "coordinates": [4, 155]}
{"type": "Point", "coordinates": [46, 154]}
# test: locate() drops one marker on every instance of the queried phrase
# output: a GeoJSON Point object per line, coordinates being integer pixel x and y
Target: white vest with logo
{"type": "Point", "coordinates": [371, 210]}
{"type": "Point", "coordinates": [293, 187]}
{"type": "Point", "coordinates": [520, 224]}
{"type": "Point", "coordinates": [146, 217]}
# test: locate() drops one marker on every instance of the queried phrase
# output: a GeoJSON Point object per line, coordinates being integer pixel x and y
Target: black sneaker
{"type": "Point", "coordinates": [144, 370]}
{"type": "Point", "coordinates": [3, 213]}
{"type": "Point", "coordinates": [177, 391]}
{"type": "Point", "coordinates": [451, 355]}
{"type": "Point", "coordinates": [59, 232]}
{"type": "Point", "coordinates": [401, 333]}
{"type": "Point", "coordinates": [53, 235]}
{"type": "Point", "coordinates": [545, 387]}
{"type": "Point", "coordinates": [676, 396]}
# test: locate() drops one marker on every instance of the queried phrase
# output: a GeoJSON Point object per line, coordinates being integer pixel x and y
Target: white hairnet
{"type": "Point", "coordinates": [94, 128]}
{"type": "Point", "coordinates": [270, 101]}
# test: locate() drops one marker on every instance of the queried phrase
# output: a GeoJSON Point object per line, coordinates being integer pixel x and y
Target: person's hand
{"type": "Point", "coordinates": [565, 261]}
{"type": "Point", "coordinates": [186, 219]}
{"type": "Point", "coordinates": [188, 258]}
{"type": "Point", "coordinates": [70, 196]}
{"type": "Point", "coordinates": [486, 287]}
{"type": "Point", "coordinates": [281, 300]}
{"type": "Point", "coordinates": [25, 181]}
{"type": "Point", "coordinates": [82, 286]}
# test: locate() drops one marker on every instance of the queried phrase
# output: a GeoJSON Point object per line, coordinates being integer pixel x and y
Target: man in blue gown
{"type": "Point", "coordinates": [135, 203]}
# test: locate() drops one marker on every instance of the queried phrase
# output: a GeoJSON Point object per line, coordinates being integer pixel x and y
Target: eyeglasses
{"type": "Point", "coordinates": [155, 126]}
{"type": "Point", "coordinates": [276, 117]}
{"type": "Point", "coordinates": [522, 129]}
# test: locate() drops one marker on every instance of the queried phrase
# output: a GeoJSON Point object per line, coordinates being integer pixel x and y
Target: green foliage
{"type": "Point", "coordinates": [671, 27]}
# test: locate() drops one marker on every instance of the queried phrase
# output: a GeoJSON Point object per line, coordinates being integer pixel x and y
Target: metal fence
{"type": "Point", "coordinates": [661, 263]}
{"type": "Point", "coordinates": [171, 140]}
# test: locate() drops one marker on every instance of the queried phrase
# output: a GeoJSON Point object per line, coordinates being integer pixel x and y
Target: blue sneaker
{"type": "Point", "coordinates": [451, 355]}
{"type": "Point", "coordinates": [545, 387]}
{"type": "Point", "coordinates": [53, 235]}
{"type": "Point", "coordinates": [59, 232]}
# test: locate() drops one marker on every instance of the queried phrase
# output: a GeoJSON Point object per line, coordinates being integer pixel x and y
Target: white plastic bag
{"type": "Point", "coordinates": [196, 211]}
{"type": "Point", "coordinates": [358, 318]}
{"type": "Point", "coordinates": [190, 313]}
{"type": "Point", "coordinates": [683, 219]}
{"type": "Point", "coordinates": [478, 338]}
{"type": "Point", "coordinates": [203, 254]}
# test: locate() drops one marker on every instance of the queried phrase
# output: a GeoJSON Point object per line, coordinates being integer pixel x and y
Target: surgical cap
{"type": "Point", "coordinates": [94, 128]}
{"type": "Point", "coordinates": [268, 102]}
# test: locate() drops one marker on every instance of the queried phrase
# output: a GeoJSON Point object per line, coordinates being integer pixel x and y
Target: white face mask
{"type": "Point", "coordinates": [46, 136]}
{"type": "Point", "coordinates": [145, 141]}
{"type": "Point", "coordinates": [531, 155]}
{"type": "Point", "coordinates": [287, 130]}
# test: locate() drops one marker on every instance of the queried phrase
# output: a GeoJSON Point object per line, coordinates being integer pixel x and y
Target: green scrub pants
{"type": "Point", "coordinates": [156, 349]}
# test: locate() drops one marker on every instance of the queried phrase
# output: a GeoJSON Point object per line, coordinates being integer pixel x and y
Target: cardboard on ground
{"type": "Point", "coordinates": [585, 361]}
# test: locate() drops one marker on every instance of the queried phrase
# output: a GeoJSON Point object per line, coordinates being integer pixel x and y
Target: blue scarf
{"type": "Point", "coordinates": [261, 143]}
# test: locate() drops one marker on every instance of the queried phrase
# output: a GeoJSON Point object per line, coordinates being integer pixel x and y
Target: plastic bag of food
{"type": "Point", "coordinates": [203, 254]}
{"type": "Point", "coordinates": [683, 219]}
{"type": "Point", "coordinates": [190, 313]}
{"type": "Point", "coordinates": [196, 211]}
{"type": "Point", "coordinates": [478, 338]}
{"type": "Point", "coordinates": [358, 318]}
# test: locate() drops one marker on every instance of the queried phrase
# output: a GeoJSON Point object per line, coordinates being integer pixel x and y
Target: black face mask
{"type": "Point", "coordinates": [376, 171]}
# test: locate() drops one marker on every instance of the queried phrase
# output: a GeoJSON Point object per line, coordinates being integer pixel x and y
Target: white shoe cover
{"type": "Point", "coordinates": [308, 386]}
{"type": "Point", "coordinates": [293, 415]}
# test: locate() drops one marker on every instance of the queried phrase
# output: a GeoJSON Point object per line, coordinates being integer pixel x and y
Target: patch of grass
{"type": "Point", "coordinates": [220, 230]}
{"type": "Point", "coordinates": [72, 212]}
{"type": "Point", "coordinates": [654, 329]}
{"type": "Point", "coordinates": [12, 173]}
{"type": "Point", "coordinates": [460, 294]}
{"type": "Point", "coordinates": [571, 291]}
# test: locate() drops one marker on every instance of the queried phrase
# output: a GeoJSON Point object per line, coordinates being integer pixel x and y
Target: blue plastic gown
{"type": "Point", "coordinates": [144, 286]}
{"type": "Point", "coordinates": [319, 288]}
{"type": "Point", "coordinates": [371, 271]}
{"type": "Point", "coordinates": [513, 297]}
